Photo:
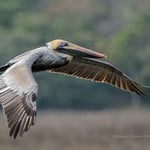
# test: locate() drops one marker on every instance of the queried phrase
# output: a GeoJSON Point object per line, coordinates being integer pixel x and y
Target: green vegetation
{"type": "Point", "coordinates": [118, 29]}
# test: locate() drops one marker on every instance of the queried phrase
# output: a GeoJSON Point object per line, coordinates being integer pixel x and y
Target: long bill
{"type": "Point", "coordinates": [79, 51]}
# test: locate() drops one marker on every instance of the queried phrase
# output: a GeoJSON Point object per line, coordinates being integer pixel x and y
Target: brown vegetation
{"type": "Point", "coordinates": [114, 130]}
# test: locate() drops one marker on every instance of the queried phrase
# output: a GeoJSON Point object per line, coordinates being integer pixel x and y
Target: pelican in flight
{"type": "Point", "coordinates": [18, 88]}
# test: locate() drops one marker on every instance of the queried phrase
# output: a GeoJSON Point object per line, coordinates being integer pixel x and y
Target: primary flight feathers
{"type": "Point", "coordinates": [18, 88]}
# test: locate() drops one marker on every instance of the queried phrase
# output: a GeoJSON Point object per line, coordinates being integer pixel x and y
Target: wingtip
{"type": "Point", "coordinates": [146, 90]}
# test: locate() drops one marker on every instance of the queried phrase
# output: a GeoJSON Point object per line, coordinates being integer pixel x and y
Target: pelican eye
{"type": "Point", "coordinates": [66, 44]}
{"type": "Point", "coordinates": [62, 45]}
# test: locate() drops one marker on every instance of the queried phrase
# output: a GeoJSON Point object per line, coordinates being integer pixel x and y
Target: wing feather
{"type": "Point", "coordinates": [100, 71]}
{"type": "Point", "coordinates": [18, 91]}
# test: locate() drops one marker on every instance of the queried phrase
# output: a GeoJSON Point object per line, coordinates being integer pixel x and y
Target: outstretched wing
{"type": "Point", "coordinates": [100, 71]}
{"type": "Point", "coordinates": [18, 91]}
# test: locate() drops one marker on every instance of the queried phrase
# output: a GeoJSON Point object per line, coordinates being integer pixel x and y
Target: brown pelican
{"type": "Point", "coordinates": [18, 88]}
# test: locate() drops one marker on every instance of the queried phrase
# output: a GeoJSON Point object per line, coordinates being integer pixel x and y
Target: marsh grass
{"type": "Point", "coordinates": [70, 130]}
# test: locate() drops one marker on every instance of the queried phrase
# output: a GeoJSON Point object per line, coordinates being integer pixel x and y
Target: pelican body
{"type": "Point", "coordinates": [18, 88]}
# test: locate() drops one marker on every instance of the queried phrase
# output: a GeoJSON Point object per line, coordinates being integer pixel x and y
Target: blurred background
{"type": "Point", "coordinates": [88, 115]}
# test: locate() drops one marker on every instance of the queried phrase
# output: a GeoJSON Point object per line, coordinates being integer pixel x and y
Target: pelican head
{"type": "Point", "coordinates": [71, 49]}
